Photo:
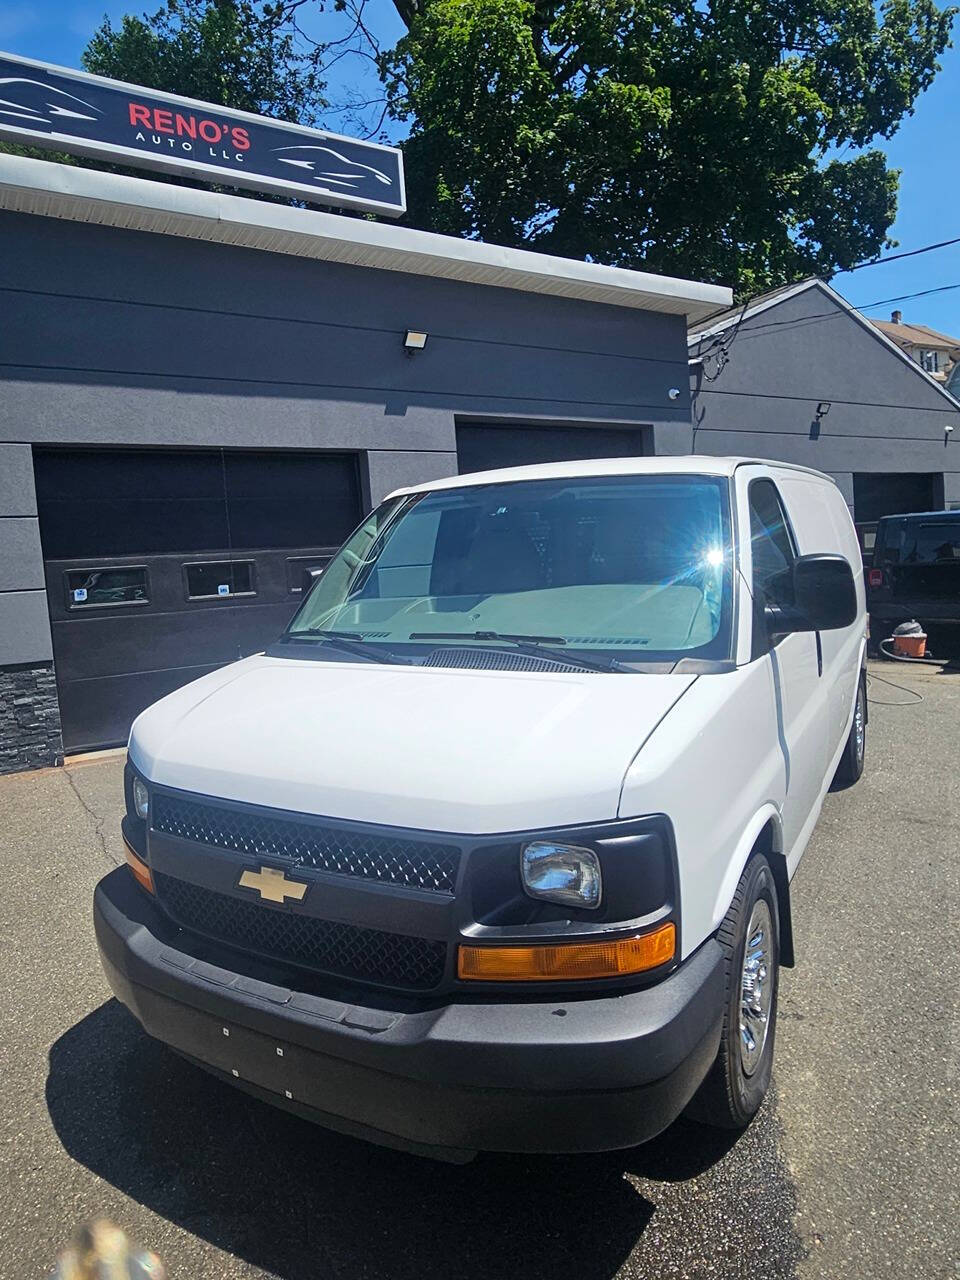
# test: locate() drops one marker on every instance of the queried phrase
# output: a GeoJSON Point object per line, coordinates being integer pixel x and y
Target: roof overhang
{"type": "Point", "coordinates": [54, 190]}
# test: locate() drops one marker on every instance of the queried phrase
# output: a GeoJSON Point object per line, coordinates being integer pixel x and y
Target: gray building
{"type": "Point", "coordinates": [801, 376]}
{"type": "Point", "coordinates": [200, 394]}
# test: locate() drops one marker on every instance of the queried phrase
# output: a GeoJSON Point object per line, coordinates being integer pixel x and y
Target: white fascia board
{"type": "Point", "coordinates": [55, 190]}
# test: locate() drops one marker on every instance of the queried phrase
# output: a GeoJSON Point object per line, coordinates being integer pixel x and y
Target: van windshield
{"type": "Point", "coordinates": [634, 567]}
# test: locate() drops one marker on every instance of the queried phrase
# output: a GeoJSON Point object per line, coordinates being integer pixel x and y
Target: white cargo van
{"type": "Point", "coordinates": [492, 849]}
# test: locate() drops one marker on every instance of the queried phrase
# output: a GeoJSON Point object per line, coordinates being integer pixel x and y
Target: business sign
{"type": "Point", "coordinates": [47, 106]}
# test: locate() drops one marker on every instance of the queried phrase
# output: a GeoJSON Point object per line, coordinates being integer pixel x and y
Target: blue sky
{"type": "Point", "coordinates": [924, 149]}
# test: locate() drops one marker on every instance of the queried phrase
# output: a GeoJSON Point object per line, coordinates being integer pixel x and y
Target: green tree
{"type": "Point", "coordinates": [238, 53]}
{"type": "Point", "coordinates": [705, 138]}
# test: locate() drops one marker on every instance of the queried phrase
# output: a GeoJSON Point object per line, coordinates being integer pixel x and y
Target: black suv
{"type": "Point", "coordinates": [915, 572]}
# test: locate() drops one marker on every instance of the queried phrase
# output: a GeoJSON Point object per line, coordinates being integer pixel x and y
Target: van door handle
{"type": "Point", "coordinates": [819, 655]}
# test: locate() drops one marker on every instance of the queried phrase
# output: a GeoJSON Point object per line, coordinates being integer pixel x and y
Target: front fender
{"type": "Point", "coordinates": [767, 816]}
{"type": "Point", "coordinates": [714, 766]}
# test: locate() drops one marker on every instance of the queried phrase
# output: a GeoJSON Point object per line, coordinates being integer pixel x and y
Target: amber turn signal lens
{"type": "Point", "coordinates": [141, 871]}
{"type": "Point", "coordinates": [569, 960]}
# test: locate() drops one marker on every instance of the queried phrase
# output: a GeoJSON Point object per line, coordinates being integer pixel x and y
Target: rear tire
{"type": "Point", "coordinates": [737, 1083]}
{"type": "Point", "coordinates": [850, 768]}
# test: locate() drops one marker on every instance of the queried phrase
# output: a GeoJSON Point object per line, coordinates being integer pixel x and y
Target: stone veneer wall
{"type": "Point", "coordinates": [29, 718]}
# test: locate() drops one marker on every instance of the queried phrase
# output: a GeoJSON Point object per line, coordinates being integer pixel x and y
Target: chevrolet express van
{"type": "Point", "coordinates": [492, 849]}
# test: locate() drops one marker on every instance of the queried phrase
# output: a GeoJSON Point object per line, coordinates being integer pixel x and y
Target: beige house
{"type": "Point", "coordinates": [936, 353]}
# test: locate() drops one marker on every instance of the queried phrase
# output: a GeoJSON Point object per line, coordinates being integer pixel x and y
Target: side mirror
{"type": "Point", "coordinates": [824, 597]}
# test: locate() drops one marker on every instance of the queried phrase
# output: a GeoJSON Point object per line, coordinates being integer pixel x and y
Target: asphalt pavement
{"type": "Point", "coordinates": [852, 1168]}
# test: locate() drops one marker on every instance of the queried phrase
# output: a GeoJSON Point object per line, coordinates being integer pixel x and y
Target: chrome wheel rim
{"type": "Point", "coordinates": [756, 987]}
{"type": "Point", "coordinates": [859, 725]}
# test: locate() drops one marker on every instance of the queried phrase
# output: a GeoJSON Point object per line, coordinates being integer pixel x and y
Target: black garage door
{"type": "Point", "coordinates": [162, 566]}
{"type": "Point", "coordinates": [877, 494]}
{"type": "Point", "coordinates": [483, 447]}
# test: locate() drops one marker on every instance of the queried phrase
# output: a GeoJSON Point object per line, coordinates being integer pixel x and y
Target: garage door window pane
{"type": "Point", "coordinates": [89, 587]}
{"type": "Point", "coordinates": [220, 578]}
{"type": "Point", "coordinates": [297, 564]}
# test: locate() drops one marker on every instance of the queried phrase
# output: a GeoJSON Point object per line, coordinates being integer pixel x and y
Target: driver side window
{"type": "Point", "coordinates": [773, 555]}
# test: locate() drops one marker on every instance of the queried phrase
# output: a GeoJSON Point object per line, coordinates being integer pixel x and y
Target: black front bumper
{"type": "Point", "coordinates": [557, 1075]}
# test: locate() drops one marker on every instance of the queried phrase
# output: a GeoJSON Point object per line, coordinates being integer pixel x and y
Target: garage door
{"type": "Point", "coordinates": [486, 447]}
{"type": "Point", "coordinates": [162, 566]}
{"type": "Point", "coordinates": [877, 494]}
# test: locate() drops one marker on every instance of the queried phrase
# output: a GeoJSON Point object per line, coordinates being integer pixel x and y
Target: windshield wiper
{"type": "Point", "coordinates": [325, 633]}
{"type": "Point", "coordinates": [486, 635]}
{"type": "Point", "coordinates": [534, 646]}
{"type": "Point", "coordinates": [349, 641]}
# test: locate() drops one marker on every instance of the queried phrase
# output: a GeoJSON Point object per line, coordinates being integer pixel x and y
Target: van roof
{"type": "Point", "coordinates": [683, 464]}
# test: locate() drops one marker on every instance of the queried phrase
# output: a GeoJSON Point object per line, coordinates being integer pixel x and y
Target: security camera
{"type": "Point", "coordinates": [947, 429]}
{"type": "Point", "coordinates": [674, 393]}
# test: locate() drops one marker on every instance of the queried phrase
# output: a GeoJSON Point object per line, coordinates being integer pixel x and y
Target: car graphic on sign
{"type": "Point", "coordinates": [38, 103]}
{"type": "Point", "coordinates": [327, 165]}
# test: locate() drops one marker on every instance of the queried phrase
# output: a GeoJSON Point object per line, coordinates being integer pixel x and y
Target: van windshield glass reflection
{"type": "Point", "coordinates": [633, 567]}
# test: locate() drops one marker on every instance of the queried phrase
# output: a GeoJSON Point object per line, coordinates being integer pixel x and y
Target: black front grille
{"type": "Point", "coordinates": [367, 955]}
{"type": "Point", "coordinates": [364, 856]}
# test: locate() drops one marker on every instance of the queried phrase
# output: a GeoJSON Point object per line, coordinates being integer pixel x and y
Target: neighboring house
{"type": "Point", "coordinates": [935, 353]}
{"type": "Point", "coordinates": [801, 376]}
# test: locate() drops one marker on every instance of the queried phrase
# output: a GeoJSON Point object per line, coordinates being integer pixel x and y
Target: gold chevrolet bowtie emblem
{"type": "Point", "coordinates": [273, 885]}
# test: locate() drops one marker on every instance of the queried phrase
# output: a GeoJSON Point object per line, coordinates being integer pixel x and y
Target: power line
{"type": "Point", "coordinates": [720, 349]}
{"type": "Point", "coordinates": [905, 297]}
{"type": "Point", "coordinates": [908, 253]}
{"type": "Point", "coordinates": [798, 321]}
{"type": "Point", "coordinates": [867, 306]}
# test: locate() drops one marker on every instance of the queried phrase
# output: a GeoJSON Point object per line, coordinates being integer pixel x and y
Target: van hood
{"type": "Point", "coordinates": [471, 752]}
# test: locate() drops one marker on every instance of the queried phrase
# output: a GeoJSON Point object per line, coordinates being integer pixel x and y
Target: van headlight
{"type": "Point", "coordinates": [141, 799]}
{"type": "Point", "coordinates": [564, 873]}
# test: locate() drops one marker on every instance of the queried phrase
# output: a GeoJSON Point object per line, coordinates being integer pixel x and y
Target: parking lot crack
{"type": "Point", "coordinates": [98, 819]}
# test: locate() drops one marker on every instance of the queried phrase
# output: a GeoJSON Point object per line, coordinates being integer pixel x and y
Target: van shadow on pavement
{"type": "Point", "coordinates": [299, 1201]}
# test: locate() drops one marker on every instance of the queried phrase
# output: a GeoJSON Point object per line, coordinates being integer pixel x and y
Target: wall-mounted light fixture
{"type": "Point", "coordinates": [414, 341]}
{"type": "Point", "coordinates": [823, 408]}
{"type": "Point", "coordinates": [947, 433]}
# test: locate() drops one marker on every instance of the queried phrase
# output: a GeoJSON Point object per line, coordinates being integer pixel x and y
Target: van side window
{"type": "Point", "coordinates": [772, 546]}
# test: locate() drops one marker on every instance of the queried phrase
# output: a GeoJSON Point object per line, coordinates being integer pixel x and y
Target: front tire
{"type": "Point", "coordinates": [850, 768]}
{"type": "Point", "coordinates": [737, 1083]}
